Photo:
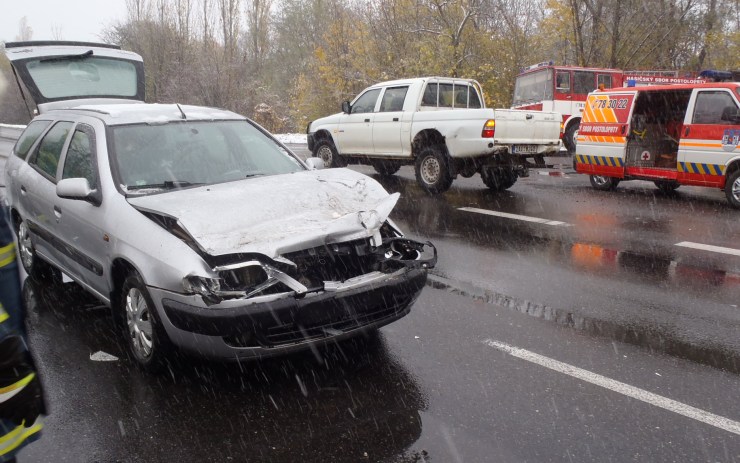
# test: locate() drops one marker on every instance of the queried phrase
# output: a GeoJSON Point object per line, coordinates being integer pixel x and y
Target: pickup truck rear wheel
{"type": "Point", "coordinates": [603, 183]}
{"type": "Point", "coordinates": [433, 170]}
{"type": "Point", "coordinates": [328, 153]}
{"type": "Point", "coordinates": [498, 179]}
{"type": "Point", "coordinates": [386, 168]}
{"type": "Point", "coordinates": [732, 189]}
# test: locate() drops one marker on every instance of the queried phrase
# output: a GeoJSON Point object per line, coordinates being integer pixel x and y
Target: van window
{"type": "Point", "coordinates": [28, 138]}
{"type": "Point", "coordinates": [715, 107]}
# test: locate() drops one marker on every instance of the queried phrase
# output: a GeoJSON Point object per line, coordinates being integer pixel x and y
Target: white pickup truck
{"type": "Point", "coordinates": [439, 125]}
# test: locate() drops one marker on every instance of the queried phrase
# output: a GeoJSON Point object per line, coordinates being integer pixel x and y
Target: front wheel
{"type": "Point", "coordinates": [145, 336]}
{"type": "Point", "coordinates": [603, 183]}
{"type": "Point", "coordinates": [326, 150]}
{"type": "Point", "coordinates": [732, 189]}
{"type": "Point", "coordinates": [433, 170]}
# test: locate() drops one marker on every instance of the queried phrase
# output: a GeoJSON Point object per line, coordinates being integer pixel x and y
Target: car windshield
{"type": "Point", "coordinates": [151, 158]}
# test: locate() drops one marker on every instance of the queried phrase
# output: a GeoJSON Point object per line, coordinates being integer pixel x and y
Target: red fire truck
{"type": "Point", "coordinates": [564, 89]}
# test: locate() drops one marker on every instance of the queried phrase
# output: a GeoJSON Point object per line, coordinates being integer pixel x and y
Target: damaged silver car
{"type": "Point", "coordinates": [194, 225]}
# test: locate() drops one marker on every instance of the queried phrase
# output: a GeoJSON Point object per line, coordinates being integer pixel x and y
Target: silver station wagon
{"type": "Point", "coordinates": [197, 227]}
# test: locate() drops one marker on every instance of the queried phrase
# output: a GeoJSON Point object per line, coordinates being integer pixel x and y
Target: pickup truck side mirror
{"type": "Point", "coordinates": [78, 188]}
{"type": "Point", "coordinates": [346, 107]}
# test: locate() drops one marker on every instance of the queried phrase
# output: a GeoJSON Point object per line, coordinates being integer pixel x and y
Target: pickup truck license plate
{"type": "Point", "coordinates": [525, 149]}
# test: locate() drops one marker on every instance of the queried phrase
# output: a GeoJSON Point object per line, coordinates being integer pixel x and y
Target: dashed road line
{"type": "Point", "coordinates": [506, 215]}
{"type": "Point", "coordinates": [656, 400]}
{"type": "Point", "coordinates": [709, 247]}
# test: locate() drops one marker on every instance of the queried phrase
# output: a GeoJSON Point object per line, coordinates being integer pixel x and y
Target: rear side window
{"type": "Point", "coordinates": [430, 95]}
{"type": "Point", "coordinates": [79, 161]}
{"type": "Point", "coordinates": [49, 150]}
{"type": "Point", "coordinates": [29, 137]}
{"type": "Point", "coordinates": [393, 99]}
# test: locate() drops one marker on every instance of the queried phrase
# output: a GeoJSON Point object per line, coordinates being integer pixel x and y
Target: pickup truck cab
{"type": "Point", "coordinates": [672, 135]}
{"type": "Point", "coordinates": [442, 127]}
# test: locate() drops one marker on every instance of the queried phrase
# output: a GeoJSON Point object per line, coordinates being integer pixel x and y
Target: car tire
{"type": "Point", "coordinates": [667, 186]}
{"type": "Point", "coordinates": [36, 268]}
{"type": "Point", "coordinates": [386, 168]}
{"type": "Point", "coordinates": [326, 150]}
{"type": "Point", "coordinates": [732, 189]}
{"type": "Point", "coordinates": [145, 337]}
{"type": "Point", "coordinates": [498, 179]}
{"type": "Point", "coordinates": [603, 183]}
{"type": "Point", "coordinates": [433, 170]}
{"type": "Point", "coordinates": [570, 136]}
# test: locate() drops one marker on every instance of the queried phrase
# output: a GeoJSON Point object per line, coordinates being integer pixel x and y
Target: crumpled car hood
{"type": "Point", "coordinates": [276, 214]}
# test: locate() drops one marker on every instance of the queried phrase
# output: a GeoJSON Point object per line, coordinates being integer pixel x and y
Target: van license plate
{"type": "Point", "coordinates": [525, 149]}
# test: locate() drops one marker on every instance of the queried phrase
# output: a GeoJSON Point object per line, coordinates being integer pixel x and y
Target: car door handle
{"type": "Point", "coordinates": [686, 132]}
{"type": "Point", "coordinates": [23, 190]}
{"type": "Point", "coordinates": [58, 212]}
{"type": "Point", "coordinates": [395, 119]}
{"type": "Point", "coordinates": [529, 116]}
{"type": "Point", "coordinates": [367, 120]}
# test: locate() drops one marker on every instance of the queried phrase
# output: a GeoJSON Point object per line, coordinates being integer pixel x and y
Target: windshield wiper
{"type": "Point", "coordinates": [166, 185]}
{"type": "Point", "coordinates": [81, 56]}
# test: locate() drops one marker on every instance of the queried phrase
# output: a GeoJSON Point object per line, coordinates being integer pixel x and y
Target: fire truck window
{"type": "Point", "coordinates": [604, 79]}
{"type": "Point", "coordinates": [711, 106]}
{"type": "Point", "coordinates": [584, 82]}
{"type": "Point", "coordinates": [562, 84]}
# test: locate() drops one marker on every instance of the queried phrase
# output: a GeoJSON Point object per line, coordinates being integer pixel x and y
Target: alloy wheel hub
{"type": "Point", "coordinates": [138, 319]}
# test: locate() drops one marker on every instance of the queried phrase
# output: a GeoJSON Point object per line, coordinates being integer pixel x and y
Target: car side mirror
{"type": "Point", "coordinates": [346, 107]}
{"type": "Point", "coordinates": [315, 163]}
{"type": "Point", "coordinates": [79, 189]}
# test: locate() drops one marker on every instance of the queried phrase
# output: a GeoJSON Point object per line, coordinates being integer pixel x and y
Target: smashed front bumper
{"type": "Point", "coordinates": [275, 325]}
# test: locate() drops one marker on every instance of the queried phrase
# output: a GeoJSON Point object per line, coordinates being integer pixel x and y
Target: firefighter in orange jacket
{"type": "Point", "coordinates": [21, 398]}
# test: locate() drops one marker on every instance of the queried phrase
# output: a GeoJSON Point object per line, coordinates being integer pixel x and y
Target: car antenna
{"type": "Point", "coordinates": [184, 117]}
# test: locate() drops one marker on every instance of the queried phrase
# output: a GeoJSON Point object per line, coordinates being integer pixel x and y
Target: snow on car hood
{"type": "Point", "coordinates": [276, 214]}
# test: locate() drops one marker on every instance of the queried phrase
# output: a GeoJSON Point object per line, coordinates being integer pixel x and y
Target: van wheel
{"type": "Point", "coordinates": [145, 335]}
{"type": "Point", "coordinates": [666, 186]}
{"type": "Point", "coordinates": [570, 137]}
{"type": "Point", "coordinates": [328, 153]}
{"type": "Point", "coordinates": [498, 179]}
{"type": "Point", "coordinates": [732, 189]}
{"type": "Point", "coordinates": [603, 183]}
{"type": "Point", "coordinates": [433, 170]}
{"type": "Point", "coordinates": [35, 267]}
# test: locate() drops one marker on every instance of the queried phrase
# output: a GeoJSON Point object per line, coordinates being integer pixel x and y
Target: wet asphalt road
{"type": "Point", "coordinates": [431, 387]}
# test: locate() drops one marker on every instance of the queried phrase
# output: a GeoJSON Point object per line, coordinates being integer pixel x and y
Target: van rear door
{"type": "Point", "coordinates": [602, 136]}
{"type": "Point", "coordinates": [56, 74]}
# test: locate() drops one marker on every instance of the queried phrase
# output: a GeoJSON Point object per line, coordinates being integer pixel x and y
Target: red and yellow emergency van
{"type": "Point", "coordinates": [672, 135]}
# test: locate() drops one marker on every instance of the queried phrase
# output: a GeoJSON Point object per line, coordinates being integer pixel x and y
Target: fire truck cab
{"type": "Point", "coordinates": [670, 134]}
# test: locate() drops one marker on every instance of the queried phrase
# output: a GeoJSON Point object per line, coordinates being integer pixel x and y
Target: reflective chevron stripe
{"type": "Point", "coordinates": [600, 160]}
{"type": "Point", "coordinates": [703, 169]}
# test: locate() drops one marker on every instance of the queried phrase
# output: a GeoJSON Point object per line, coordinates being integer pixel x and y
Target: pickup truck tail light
{"type": "Point", "coordinates": [489, 129]}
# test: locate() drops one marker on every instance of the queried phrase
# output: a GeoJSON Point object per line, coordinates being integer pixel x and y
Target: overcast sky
{"type": "Point", "coordinates": [81, 20]}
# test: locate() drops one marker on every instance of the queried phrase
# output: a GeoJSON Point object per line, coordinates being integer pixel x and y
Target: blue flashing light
{"type": "Point", "coordinates": [631, 83]}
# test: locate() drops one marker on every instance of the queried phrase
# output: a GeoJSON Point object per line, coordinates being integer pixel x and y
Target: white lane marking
{"type": "Point", "coordinates": [506, 215]}
{"type": "Point", "coordinates": [709, 247]}
{"type": "Point", "coordinates": [619, 387]}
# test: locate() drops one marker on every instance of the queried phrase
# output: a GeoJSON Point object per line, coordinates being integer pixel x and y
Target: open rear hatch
{"type": "Point", "coordinates": [57, 75]}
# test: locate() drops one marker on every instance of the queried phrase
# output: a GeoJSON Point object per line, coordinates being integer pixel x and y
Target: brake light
{"type": "Point", "coordinates": [489, 129]}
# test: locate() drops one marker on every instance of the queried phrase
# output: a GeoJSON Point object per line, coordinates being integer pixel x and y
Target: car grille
{"type": "Point", "coordinates": [336, 262]}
